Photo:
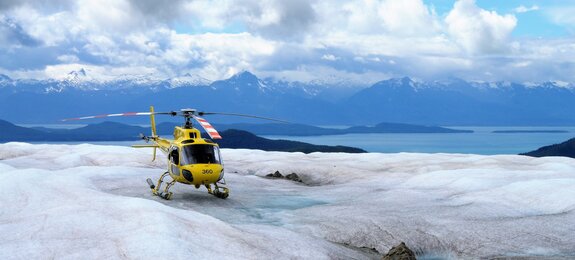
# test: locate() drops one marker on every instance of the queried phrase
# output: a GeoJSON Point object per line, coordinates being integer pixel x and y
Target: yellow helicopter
{"type": "Point", "coordinates": [192, 159]}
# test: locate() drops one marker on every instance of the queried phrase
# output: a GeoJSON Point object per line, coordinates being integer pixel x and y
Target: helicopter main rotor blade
{"type": "Point", "coordinates": [242, 115]}
{"type": "Point", "coordinates": [121, 114]}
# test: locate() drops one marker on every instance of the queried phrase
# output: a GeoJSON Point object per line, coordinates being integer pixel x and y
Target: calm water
{"type": "Point", "coordinates": [482, 141]}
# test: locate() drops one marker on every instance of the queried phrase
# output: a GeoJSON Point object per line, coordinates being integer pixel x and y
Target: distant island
{"type": "Point", "coordinates": [111, 131]}
{"type": "Point", "coordinates": [566, 149]}
{"type": "Point", "coordinates": [529, 131]}
{"type": "Point", "coordinates": [308, 130]}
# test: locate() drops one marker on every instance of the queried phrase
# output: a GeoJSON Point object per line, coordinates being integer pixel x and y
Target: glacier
{"type": "Point", "coordinates": [92, 202]}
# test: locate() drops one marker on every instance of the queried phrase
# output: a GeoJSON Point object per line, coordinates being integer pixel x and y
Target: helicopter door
{"type": "Point", "coordinates": [174, 161]}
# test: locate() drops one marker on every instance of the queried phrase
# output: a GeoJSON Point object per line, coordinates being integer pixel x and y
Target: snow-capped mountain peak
{"type": "Point", "coordinates": [249, 80]}
{"type": "Point", "coordinates": [78, 79]}
{"type": "Point", "coordinates": [402, 83]}
{"type": "Point", "coordinates": [189, 80]}
{"type": "Point", "coordinates": [77, 75]}
{"type": "Point", "coordinates": [560, 84]}
{"type": "Point", "coordinates": [244, 76]}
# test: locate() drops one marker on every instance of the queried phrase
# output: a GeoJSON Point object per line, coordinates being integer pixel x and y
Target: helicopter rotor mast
{"type": "Point", "coordinates": [189, 113]}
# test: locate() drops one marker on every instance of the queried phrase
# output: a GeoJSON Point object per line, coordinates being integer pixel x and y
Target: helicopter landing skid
{"type": "Point", "coordinates": [156, 189]}
{"type": "Point", "coordinates": [221, 192]}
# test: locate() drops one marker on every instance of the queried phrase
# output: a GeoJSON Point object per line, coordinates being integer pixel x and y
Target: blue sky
{"type": "Point", "coordinates": [359, 41]}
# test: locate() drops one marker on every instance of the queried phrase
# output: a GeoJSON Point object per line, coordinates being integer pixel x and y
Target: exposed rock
{"type": "Point", "coordinates": [276, 174]}
{"type": "Point", "coordinates": [293, 177]}
{"type": "Point", "coordinates": [399, 252]}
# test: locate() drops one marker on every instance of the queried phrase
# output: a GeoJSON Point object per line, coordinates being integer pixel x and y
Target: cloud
{"type": "Point", "coordinates": [28, 59]}
{"type": "Point", "coordinates": [159, 10]}
{"type": "Point", "coordinates": [276, 19]}
{"type": "Point", "coordinates": [407, 17]}
{"type": "Point", "coordinates": [109, 17]}
{"type": "Point", "coordinates": [272, 19]}
{"type": "Point", "coordinates": [329, 57]}
{"type": "Point", "coordinates": [68, 58]}
{"type": "Point", "coordinates": [228, 54]}
{"type": "Point", "coordinates": [479, 31]}
{"type": "Point", "coordinates": [12, 34]}
{"type": "Point", "coordinates": [7, 4]}
{"type": "Point", "coordinates": [307, 39]}
{"type": "Point", "coordinates": [328, 75]}
{"type": "Point", "coordinates": [523, 9]}
{"type": "Point", "coordinates": [44, 4]}
{"type": "Point", "coordinates": [391, 17]}
{"type": "Point", "coordinates": [563, 15]}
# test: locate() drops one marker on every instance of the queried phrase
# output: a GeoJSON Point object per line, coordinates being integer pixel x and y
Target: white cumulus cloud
{"type": "Point", "coordinates": [408, 17]}
{"type": "Point", "coordinates": [477, 30]}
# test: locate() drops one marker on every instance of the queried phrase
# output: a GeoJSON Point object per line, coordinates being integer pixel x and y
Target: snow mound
{"type": "Point", "coordinates": [91, 202]}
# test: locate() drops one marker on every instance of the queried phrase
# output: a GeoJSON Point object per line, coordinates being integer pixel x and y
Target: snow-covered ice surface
{"type": "Point", "coordinates": [92, 202]}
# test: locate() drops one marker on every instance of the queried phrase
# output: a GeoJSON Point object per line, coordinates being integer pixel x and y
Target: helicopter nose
{"type": "Point", "coordinates": [202, 173]}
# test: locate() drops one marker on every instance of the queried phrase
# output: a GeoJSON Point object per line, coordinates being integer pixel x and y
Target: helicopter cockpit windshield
{"type": "Point", "coordinates": [200, 153]}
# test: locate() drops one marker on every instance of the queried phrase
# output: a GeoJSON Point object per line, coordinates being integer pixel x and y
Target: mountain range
{"type": "Point", "coordinates": [403, 100]}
